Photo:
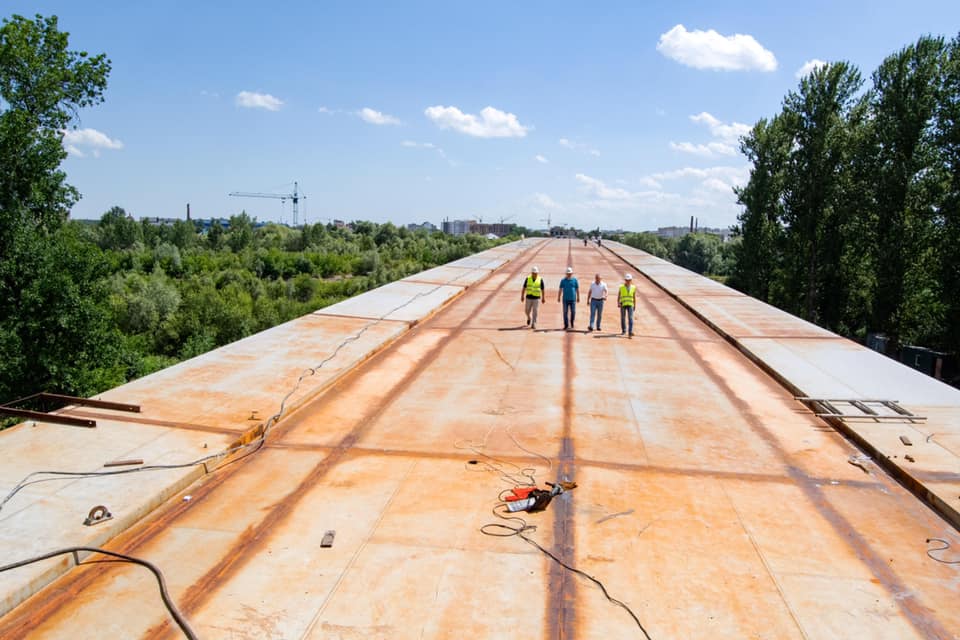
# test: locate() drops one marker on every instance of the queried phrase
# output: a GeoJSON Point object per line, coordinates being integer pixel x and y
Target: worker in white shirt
{"type": "Point", "coordinates": [598, 293]}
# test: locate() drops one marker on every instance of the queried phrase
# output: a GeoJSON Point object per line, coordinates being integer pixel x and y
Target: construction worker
{"type": "Point", "coordinates": [532, 295]}
{"type": "Point", "coordinates": [627, 301]}
{"type": "Point", "coordinates": [570, 289]}
{"type": "Point", "coordinates": [598, 293]}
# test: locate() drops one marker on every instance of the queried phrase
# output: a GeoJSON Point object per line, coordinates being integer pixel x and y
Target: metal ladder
{"type": "Point", "coordinates": [860, 409]}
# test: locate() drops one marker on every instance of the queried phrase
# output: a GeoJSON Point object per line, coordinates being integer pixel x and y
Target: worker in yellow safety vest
{"type": "Point", "coordinates": [532, 294]}
{"type": "Point", "coordinates": [627, 301]}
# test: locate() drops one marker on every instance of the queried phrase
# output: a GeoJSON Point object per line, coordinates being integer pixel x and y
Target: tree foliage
{"type": "Point", "coordinates": [850, 212]}
{"type": "Point", "coordinates": [54, 329]}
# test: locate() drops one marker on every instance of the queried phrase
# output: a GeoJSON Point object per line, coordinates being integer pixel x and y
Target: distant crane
{"type": "Point", "coordinates": [510, 217]}
{"type": "Point", "coordinates": [547, 220]}
{"type": "Point", "coordinates": [294, 197]}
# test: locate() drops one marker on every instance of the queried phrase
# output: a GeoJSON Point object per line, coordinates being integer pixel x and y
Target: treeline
{"type": "Point", "coordinates": [852, 211]}
{"type": "Point", "coordinates": [121, 298]}
{"type": "Point", "coordinates": [703, 253]}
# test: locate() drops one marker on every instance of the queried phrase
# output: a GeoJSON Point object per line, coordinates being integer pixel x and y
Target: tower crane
{"type": "Point", "coordinates": [294, 197]}
{"type": "Point", "coordinates": [510, 217]}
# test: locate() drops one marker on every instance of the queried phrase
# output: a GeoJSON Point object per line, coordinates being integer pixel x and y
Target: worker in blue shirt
{"type": "Point", "coordinates": [570, 290]}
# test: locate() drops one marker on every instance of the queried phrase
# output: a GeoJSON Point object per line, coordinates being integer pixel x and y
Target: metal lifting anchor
{"type": "Point", "coordinates": [97, 515]}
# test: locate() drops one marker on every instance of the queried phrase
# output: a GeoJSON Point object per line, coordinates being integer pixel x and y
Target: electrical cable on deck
{"type": "Point", "coordinates": [164, 594]}
{"type": "Point", "coordinates": [521, 528]}
{"type": "Point", "coordinates": [946, 545]}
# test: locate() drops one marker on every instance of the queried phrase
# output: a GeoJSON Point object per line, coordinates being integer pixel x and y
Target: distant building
{"type": "Point", "coordinates": [158, 222]}
{"type": "Point", "coordinates": [457, 227]}
{"type": "Point", "coordinates": [673, 232]}
{"type": "Point", "coordinates": [679, 232]}
{"type": "Point", "coordinates": [499, 229]}
{"type": "Point", "coordinates": [424, 226]}
{"type": "Point", "coordinates": [339, 224]}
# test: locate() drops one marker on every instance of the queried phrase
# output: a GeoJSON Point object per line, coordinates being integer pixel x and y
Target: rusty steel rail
{"type": "Point", "coordinates": [11, 409]}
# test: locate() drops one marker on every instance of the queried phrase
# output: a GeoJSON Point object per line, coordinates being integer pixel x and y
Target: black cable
{"type": "Point", "coordinates": [164, 595]}
{"type": "Point", "coordinates": [519, 531]}
{"type": "Point", "coordinates": [946, 545]}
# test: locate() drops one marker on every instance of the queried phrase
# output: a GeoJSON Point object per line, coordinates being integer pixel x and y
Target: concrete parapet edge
{"type": "Point", "coordinates": [900, 473]}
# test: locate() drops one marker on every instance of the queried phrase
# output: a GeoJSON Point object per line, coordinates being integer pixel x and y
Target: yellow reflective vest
{"type": "Point", "coordinates": [534, 287]}
{"type": "Point", "coordinates": [626, 295]}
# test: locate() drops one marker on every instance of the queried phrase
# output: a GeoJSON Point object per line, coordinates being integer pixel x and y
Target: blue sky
{"type": "Point", "coordinates": [618, 115]}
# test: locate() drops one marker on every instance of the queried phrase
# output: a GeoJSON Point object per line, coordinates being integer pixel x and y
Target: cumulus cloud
{"type": "Point", "coordinates": [491, 123]}
{"type": "Point", "coordinates": [711, 50]}
{"type": "Point", "coordinates": [729, 132]}
{"type": "Point", "coordinates": [376, 117]}
{"type": "Point", "coordinates": [75, 141]}
{"type": "Point", "coordinates": [808, 67]}
{"type": "Point", "coordinates": [539, 158]}
{"type": "Point", "coordinates": [254, 100]}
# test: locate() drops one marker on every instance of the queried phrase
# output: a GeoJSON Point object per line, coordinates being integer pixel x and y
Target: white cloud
{"type": "Point", "coordinates": [704, 150]}
{"type": "Point", "coordinates": [710, 50]}
{"type": "Point", "coordinates": [713, 179]}
{"type": "Point", "coordinates": [254, 100]}
{"type": "Point", "coordinates": [376, 117]}
{"type": "Point", "coordinates": [729, 133]}
{"type": "Point", "coordinates": [546, 201]}
{"type": "Point", "coordinates": [76, 140]}
{"type": "Point", "coordinates": [323, 109]}
{"type": "Point", "coordinates": [492, 123]}
{"type": "Point", "coordinates": [539, 158]}
{"type": "Point", "coordinates": [578, 146]}
{"type": "Point", "coordinates": [809, 66]}
{"type": "Point", "coordinates": [209, 94]}
{"type": "Point", "coordinates": [716, 184]}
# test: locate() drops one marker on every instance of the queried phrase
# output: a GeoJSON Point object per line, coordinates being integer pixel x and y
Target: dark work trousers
{"type": "Point", "coordinates": [569, 309]}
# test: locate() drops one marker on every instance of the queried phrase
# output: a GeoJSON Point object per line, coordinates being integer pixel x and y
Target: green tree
{"type": "Point", "coordinates": [947, 223]}
{"type": "Point", "coordinates": [816, 119]}
{"type": "Point", "coordinates": [241, 232]}
{"type": "Point", "coordinates": [699, 252]}
{"type": "Point", "coordinates": [43, 85]}
{"type": "Point", "coordinates": [767, 146]}
{"type": "Point", "coordinates": [51, 307]}
{"type": "Point", "coordinates": [906, 90]}
{"type": "Point", "coordinates": [118, 230]}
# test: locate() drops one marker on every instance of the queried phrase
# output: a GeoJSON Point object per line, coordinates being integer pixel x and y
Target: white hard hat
{"type": "Point", "coordinates": [569, 269]}
{"type": "Point", "coordinates": [628, 277]}
{"type": "Point", "coordinates": [535, 270]}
